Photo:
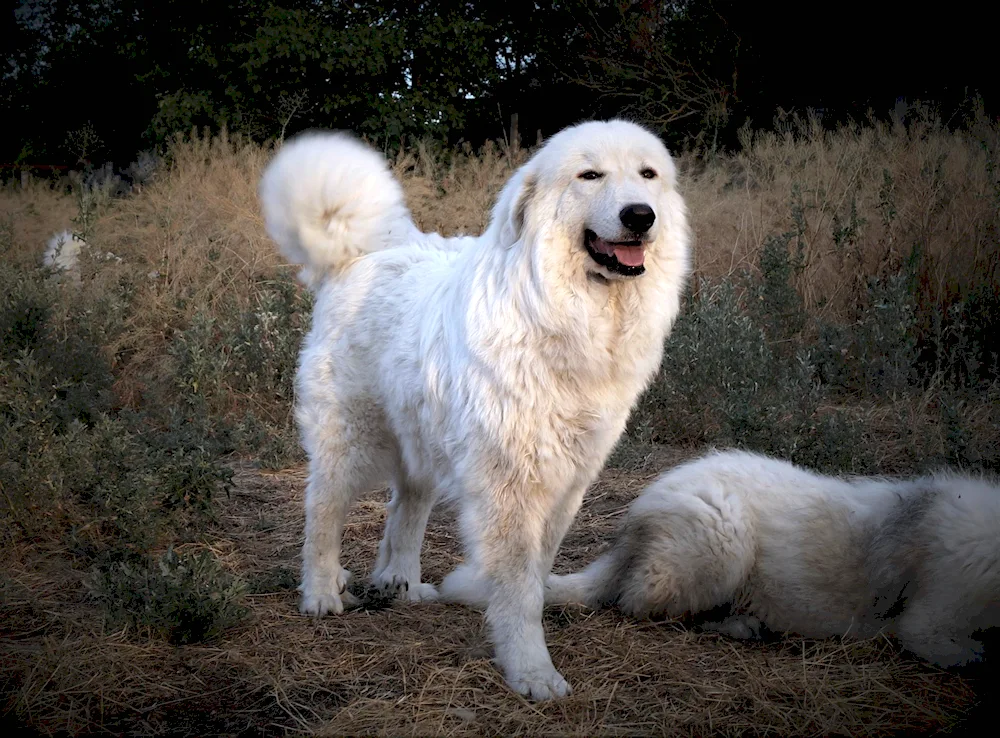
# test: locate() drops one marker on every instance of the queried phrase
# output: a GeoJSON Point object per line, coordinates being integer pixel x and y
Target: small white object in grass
{"type": "Point", "coordinates": [62, 252]}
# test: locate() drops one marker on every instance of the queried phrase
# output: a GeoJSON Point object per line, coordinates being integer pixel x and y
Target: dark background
{"type": "Point", "coordinates": [132, 73]}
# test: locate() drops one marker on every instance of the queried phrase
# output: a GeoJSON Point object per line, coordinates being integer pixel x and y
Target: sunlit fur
{"type": "Point", "coordinates": [496, 370]}
{"type": "Point", "coordinates": [817, 555]}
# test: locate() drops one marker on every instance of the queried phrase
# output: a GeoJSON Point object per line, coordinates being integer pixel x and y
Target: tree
{"type": "Point", "coordinates": [672, 65]}
{"type": "Point", "coordinates": [450, 69]}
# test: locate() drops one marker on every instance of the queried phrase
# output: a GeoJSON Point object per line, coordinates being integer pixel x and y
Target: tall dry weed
{"type": "Point", "coordinates": [851, 203]}
{"type": "Point", "coordinates": [452, 192]}
{"type": "Point", "coordinates": [195, 241]}
{"type": "Point", "coordinates": [859, 201]}
{"type": "Point", "coordinates": [29, 216]}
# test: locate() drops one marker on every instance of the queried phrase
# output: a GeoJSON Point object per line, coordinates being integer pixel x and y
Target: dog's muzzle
{"type": "Point", "coordinates": [624, 257]}
{"type": "Point", "coordinates": [621, 257]}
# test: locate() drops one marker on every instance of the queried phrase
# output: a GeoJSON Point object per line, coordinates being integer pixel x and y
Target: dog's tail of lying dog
{"type": "Point", "coordinates": [329, 198]}
{"type": "Point", "coordinates": [593, 586]}
{"type": "Point", "coordinates": [685, 546]}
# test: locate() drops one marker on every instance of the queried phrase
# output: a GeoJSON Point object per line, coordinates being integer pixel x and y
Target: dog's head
{"type": "Point", "coordinates": [598, 199]}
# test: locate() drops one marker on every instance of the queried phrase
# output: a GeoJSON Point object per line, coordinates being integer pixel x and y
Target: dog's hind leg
{"type": "Point", "coordinates": [329, 495]}
{"type": "Point", "coordinates": [397, 569]}
{"type": "Point", "coordinates": [934, 625]}
{"type": "Point", "coordinates": [467, 585]}
{"type": "Point", "coordinates": [344, 462]}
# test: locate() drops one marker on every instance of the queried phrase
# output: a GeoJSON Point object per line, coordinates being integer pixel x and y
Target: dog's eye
{"type": "Point", "coordinates": [590, 174]}
{"type": "Point", "coordinates": [648, 173]}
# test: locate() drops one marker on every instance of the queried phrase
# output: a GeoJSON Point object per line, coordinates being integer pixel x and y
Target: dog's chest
{"type": "Point", "coordinates": [580, 423]}
{"type": "Point", "coordinates": [624, 332]}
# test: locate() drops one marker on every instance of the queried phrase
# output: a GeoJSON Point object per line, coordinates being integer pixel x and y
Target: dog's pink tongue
{"type": "Point", "coordinates": [630, 255]}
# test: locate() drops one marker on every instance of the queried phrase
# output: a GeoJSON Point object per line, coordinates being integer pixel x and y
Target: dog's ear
{"type": "Point", "coordinates": [520, 215]}
{"type": "Point", "coordinates": [512, 210]}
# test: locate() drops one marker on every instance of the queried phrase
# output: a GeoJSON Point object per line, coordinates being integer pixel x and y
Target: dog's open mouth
{"type": "Point", "coordinates": [621, 257]}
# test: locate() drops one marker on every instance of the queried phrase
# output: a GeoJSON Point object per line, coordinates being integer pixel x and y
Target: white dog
{"type": "Point", "coordinates": [802, 552]}
{"type": "Point", "coordinates": [62, 253]}
{"type": "Point", "coordinates": [498, 371]}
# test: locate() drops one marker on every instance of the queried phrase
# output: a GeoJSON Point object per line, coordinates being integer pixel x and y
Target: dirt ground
{"type": "Point", "coordinates": [408, 669]}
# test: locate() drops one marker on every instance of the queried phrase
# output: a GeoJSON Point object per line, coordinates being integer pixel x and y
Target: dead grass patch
{"type": "Point", "coordinates": [193, 242]}
{"type": "Point", "coordinates": [426, 670]}
{"type": "Point", "coordinates": [860, 199]}
{"type": "Point", "coordinates": [32, 215]}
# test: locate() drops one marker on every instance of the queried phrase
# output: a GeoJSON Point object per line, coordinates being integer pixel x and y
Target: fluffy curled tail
{"type": "Point", "coordinates": [328, 198]}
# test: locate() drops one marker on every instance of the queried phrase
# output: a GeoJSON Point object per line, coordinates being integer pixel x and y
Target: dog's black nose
{"type": "Point", "coordinates": [637, 217]}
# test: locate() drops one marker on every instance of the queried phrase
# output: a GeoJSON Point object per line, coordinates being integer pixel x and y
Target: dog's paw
{"type": "Point", "coordinates": [540, 684]}
{"type": "Point", "coordinates": [397, 585]}
{"type": "Point", "coordinates": [423, 592]}
{"type": "Point", "coordinates": [321, 604]}
{"type": "Point", "coordinates": [317, 602]}
{"type": "Point", "coordinates": [743, 627]}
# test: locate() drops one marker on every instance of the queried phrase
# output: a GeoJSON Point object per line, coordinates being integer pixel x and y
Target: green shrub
{"type": "Point", "coordinates": [960, 345]}
{"type": "Point", "coordinates": [266, 338]}
{"type": "Point", "coordinates": [25, 308]}
{"type": "Point", "coordinates": [244, 351]}
{"type": "Point", "coordinates": [899, 384]}
{"type": "Point", "coordinates": [776, 304]}
{"type": "Point", "coordinates": [274, 445]}
{"type": "Point", "coordinates": [238, 365]}
{"type": "Point", "coordinates": [722, 384]}
{"type": "Point", "coordinates": [876, 356]}
{"type": "Point", "coordinates": [71, 462]}
{"type": "Point", "coordinates": [185, 598]}
{"type": "Point", "coordinates": [200, 359]}
{"type": "Point", "coordinates": [190, 480]}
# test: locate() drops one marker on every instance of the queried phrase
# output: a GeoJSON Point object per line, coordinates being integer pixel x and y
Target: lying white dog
{"type": "Point", "coordinates": [498, 370]}
{"type": "Point", "coordinates": [802, 552]}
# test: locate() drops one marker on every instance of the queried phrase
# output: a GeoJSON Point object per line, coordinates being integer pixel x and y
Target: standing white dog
{"type": "Point", "coordinates": [497, 370]}
{"type": "Point", "coordinates": [813, 554]}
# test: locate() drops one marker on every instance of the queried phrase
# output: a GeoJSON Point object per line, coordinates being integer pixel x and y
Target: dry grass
{"type": "Point", "coordinates": [198, 224]}
{"type": "Point", "coordinates": [454, 194]}
{"type": "Point", "coordinates": [32, 214]}
{"type": "Point", "coordinates": [924, 186]}
{"type": "Point", "coordinates": [426, 669]}
{"type": "Point", "coordinates": [193, 240]}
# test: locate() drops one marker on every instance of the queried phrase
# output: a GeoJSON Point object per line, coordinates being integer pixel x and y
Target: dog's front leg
{"type": "Point", "coordinates": [511, 547]}
{"type": "Point", "coordinates": [558, 523]}
{"type": "Point", "coordinates": [469, 584]}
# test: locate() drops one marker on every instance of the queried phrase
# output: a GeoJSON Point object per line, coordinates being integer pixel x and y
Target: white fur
{"type": "Point", "coordinates": [813, 554]}
{"type": "Point", "coordinates": [328, 198]}
{"type": "Point", "coordinates": [62, 252]}
{"type": "Point", "coordinates": [498, 371]}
